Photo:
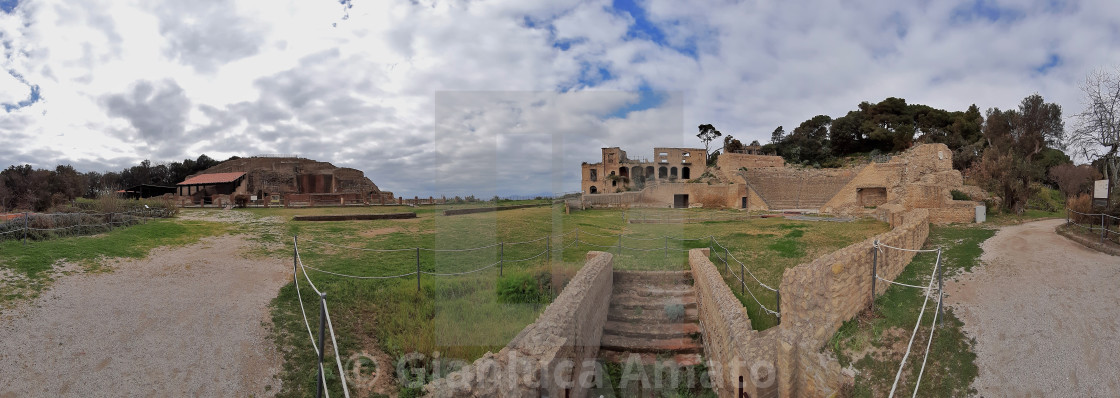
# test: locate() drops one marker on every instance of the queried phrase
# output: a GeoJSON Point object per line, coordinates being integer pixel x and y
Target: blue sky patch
{"type": "Point", "coordinates": [647, 99]}
{"type": "Point", "coordinates": [985, 10]}
{"type": "Point", "coordinates": [643, 28]}
{"type": "Point", "coordinates": [31, 99]}
{"type": "Point", "coordinates": [8, 5]}
{"type": "Point", "coordinates": [1052, 61]}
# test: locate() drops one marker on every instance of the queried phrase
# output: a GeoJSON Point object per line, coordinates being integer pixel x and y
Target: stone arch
{"type": "Point", "coordinates": [649, 171]}
{"type": "Point", "coordinates": [662, 172]}
{"type": "Point", "coordinates": [623, 172]}
{"type": "Point", "coordinates": [685, 173]}
{"type": "Point", "coordinates": [593, 189]}
{"type": "Point", "coordinates": [673, 172]}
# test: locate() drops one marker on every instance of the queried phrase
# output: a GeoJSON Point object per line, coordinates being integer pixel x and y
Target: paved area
{"type": "Point", "coordinates": [188, 321]}
{"type": "Point", "coordinates": [1045, 312]}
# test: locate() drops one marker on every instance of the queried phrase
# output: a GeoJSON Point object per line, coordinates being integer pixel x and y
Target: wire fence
{"type": "Point", "coordinates": [665, 218]}
{"type": "Point", "coordinates": [42, 226]}
{"type": "Point", "coordinates": [1107, 226]}
{"type": "Point", "coordinates": [727, 259]}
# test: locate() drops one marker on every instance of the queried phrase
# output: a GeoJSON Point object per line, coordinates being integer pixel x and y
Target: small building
{"type": "Point", "coordinates": [215, 188]}
{"type": "Point", "coordinates": [146, 191]}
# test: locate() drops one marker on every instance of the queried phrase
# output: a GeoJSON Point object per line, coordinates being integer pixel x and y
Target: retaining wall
{"type": "Point", "coordinates": [487, 209]}
{"type": "Point", "coordinates": [732, 348]}
{"type": "Point", "coordinates": [548, 357]}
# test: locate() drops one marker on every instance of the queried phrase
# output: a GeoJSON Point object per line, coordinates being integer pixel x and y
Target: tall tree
{"type": "Point", "coordinates": [707, 134]}
{"type": "Point", "coordinates": [1097, 135]}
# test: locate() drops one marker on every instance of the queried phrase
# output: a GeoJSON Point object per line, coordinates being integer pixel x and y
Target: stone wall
{"type": "Point", "coordinates": [661, 195]}
{"type": "Point", "coordinates": [958, 211]}
{"type": "Point", "coordinates": [550, 355]}
{"type": "Point", "coordinates": [734, 161]}
{"type": "Point", "coordinates": [732, 348]}
{"type": "Point", "coordinates": [818, 297]}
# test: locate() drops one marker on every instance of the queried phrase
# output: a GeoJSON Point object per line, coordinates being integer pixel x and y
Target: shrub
{"type": "Point", "coordinates": [523, 288]}
{"type": "Point", "coordinates": [958, 195]}
{"type": "Point", "coordinates": [1082, 204]}
{"type": "Point", "coordinates": [1046, 199]}
{"type": "Point", "coordinates": [241, 201]}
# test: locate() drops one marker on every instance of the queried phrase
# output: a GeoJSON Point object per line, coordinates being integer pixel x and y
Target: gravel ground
{"type": "Point", "coordinates": [187, 321]}
{"type": "Point", "coordinates": [1044, 312]}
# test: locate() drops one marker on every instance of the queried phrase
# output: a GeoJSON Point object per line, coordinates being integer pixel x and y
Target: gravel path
{"type": "Point", "coordinates": [1044, 312]}
{"type": "Point", "coordinates": [187, 321]}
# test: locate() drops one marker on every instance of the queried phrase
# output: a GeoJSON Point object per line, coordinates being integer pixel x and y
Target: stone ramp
{"type": "Point", "coordinates": [797, 188]}
{"type": "Point", "coordinates": [652, 317]}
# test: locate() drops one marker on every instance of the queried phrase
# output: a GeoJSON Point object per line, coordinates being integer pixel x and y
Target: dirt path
{"type": "Point", "coordinates": [188, 321]}
{"type": "Point", "coordinates": [1045, 312]}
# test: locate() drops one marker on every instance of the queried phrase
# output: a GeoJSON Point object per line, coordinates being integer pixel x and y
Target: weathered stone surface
{"type": "Point", "coordinates": [548, 356]}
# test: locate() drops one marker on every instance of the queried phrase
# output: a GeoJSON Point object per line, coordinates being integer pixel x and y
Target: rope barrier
{"type": "Point", "coordinates": [881, 244]}
{"type": "Point", "coordinates": [356, 276]}
{"type": "Point", "coordinates": [337, 358]}
{"type": "Point", "coordinates": [902, 365]}
{"type": "Point", "coordinates": [899, 283]}
{"type": "Point", "coordinates": [358, 248]}
{"type": "Point", "coordinates": [933, 328]}
{"type": "Point", "coordinates": [462, 273]}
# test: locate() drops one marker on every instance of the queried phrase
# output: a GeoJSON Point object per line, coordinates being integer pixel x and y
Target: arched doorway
{"type": "Point", "coordinates": [662, 172]}
{"type": "Point", "coordinates": [649, 171]}
{"type": "Point", "coordinates": [685, 173]}
{"type": "Point", "coordinates": [594, 190]}
{"type": "Point", "coordinates": [673, 173]}
{"type": "Point", "coordinates": [623, 172]}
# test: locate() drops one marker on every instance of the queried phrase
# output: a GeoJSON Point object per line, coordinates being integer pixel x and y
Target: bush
{"type": "Point", "coordinates": [958, 195]}
{"type": "Point", "coordinates": [241, 201]}
{"type": "Point", "coordinates": [1046, 199]}
{"type": "Point", "coordinates": [1082, 204]}
{"type": "Point", "coordinates": [524, 288]}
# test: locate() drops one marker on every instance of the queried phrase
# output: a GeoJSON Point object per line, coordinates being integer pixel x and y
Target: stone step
{"type": "Point", "coordinates": [685, 345]}
{"type": "Point", "coordinates": [644, 316]}
{"type": "Point", "coordinates": [652, 277]}
{"type": "Point", "coordinates": [631, 301]}
{"type": "Point", "coordinates": [648, 291]}
{"type": "Point", "coordinates": [650, 358]}
{"type": "Point", "coordinates": [659, 331]}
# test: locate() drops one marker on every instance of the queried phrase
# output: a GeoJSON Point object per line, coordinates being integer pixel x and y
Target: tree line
{"type": "Point", "coordinates": [23, 187]}
{"type": "Point", "coordinates": [1011, 153]}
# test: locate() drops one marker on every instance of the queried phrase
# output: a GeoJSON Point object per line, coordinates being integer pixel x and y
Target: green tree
{"type": "Point", "coordinates": [707, 134]}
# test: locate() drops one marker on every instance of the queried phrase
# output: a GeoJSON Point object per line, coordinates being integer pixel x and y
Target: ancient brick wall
{"type": "Point", "coordinates": [837, 286]}
{"type": "Point", "coordinates": [548, 356]}
{"type": "Point", "coordinates": [958, 211]}
{"type": "Point", "coordinates": [734, 161]}
{"type": "Point", "coordinates": [732, 348]}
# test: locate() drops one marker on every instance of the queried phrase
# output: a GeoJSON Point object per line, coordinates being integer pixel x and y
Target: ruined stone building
{"type": "Point", "coordinates": [280, 181]}
{"type": "Point", "coordinates": [922, 177]}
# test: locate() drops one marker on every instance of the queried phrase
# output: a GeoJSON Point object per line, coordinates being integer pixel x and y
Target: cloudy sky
{"type": "Point", "coordinates": [456, 97]}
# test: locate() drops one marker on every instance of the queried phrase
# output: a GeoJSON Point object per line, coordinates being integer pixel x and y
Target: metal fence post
{"type": "Point", "coordinates": [1103, 229]}
{"type": "Point", "coordinates": [779, 293]}
{"type": "Point", "coordinates": [874, 271]}
{"type": "Point", "coordinates": [502, 259]}
{"type": "Point", "coordinates": [322, 325]}
{"type": "Point", "coordinates": [110, 221]}
{"type": "Point", "coordinates": [742, 279]}
{"type": "Point", "coordinates": [418, 270]}
{"type": "Point", "coordinates": [295, 257]}
{"type": "Point", "coordinates": [940, 289]}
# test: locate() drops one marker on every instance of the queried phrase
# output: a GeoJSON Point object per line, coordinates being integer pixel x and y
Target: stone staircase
{"type": "Point", "coordinates": [784, 189]}
{"type": "Point", "coordinates": [652, 315]}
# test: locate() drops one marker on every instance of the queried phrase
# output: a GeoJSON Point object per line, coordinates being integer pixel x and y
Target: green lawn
{"type": "Point", "coordinates": [30, 264]}
{"type": "Point", "coordinates": [463, 317]}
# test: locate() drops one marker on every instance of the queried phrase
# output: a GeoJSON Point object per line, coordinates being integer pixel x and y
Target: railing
{"type": "Point", "coordinates": [1088, 221]}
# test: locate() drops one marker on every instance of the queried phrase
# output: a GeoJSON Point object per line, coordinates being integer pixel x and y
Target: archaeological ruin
{"type": "Point", "coordinates": [920, 178]}
{"type": "Point", "coordinates": [280, 181]}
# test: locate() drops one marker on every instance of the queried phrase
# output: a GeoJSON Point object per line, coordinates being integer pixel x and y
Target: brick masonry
{"type": "Point", "coordinates": [551, 354]}
{"type": "Point", "coordinates": [816, 299]}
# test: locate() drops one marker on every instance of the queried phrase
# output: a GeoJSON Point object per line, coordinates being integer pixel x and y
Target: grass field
{"type": "Point", "coordinates": [29, 266]}
{"type": "Point", "coordinates": [463, 317]}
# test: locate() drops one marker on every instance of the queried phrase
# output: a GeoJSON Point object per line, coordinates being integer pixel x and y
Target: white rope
{"type": "Point", "coordinates": [748, 269]}
{"type": "Point", "coordinates": [462, 273]}
{"type": "Point", "coordinates": [337, 358]}
{"type": "Point", "coordinates": [459, 250]}
{"type": "Point", "coordinates": [527, 258]}
{"type": "Point", "coordinates": [643, 250]}
{"type": "Point", "coordinates": [358, 277]}
{"type": "Point", "coordinates": [916, 324]}
{"type": "Point", "coordinates": [602, 236]}
{"type": "Point", "coordinates": [528, 241]}
{"type": "Point", "coordinates": [932, 328]}
{"type": "Point", "coordinates": [637, 238]}
{"type": "Point", "coordinates": [900, 283]}
{"type": "Point", "coordinates": [359, 248]}
{"type": "Point", "coordinates": [881, 244]}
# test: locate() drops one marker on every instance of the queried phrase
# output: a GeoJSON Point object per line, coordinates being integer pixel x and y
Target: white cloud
{"type": "Point", "coordinates": [393, 89]}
